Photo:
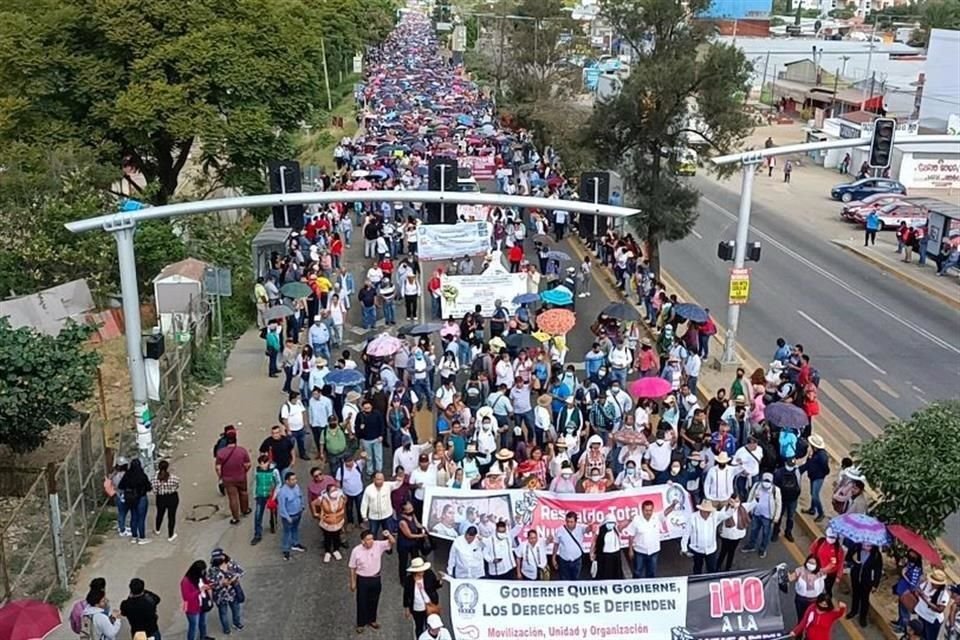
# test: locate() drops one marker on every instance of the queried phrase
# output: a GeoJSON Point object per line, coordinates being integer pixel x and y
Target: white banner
{"type": "Point", "coordinates": [474, 212]}
{"type": "Point", "coordinates": [608, 609]}
{"type": "Point", "coordinates": [447, 512]}
{"type": "Point", "coordinates": [448, 241]}
{"type": "Point", "coordinates": [460, 294]}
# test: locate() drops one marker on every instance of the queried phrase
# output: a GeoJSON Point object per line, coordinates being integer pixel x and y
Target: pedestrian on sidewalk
{"type": "Point", "coordinates": [232, 465]}
{"type": "Point", "coordinates": [76, 611]}
{"type": "Point", "coordinates": [330, 511]}
{"type": "Point", "coordinates": [787, 170]}
{"type": "Point", "coordinates": [224, 575]}
{"type": "Point", "coordinates": [290, 508]}
{"type": "Point", "coordinates": [195, 592]}
{"type": "Point", "coordinates": [98, 623]}
{"type": "Point", "coordinates": [266, 482]}
{"type": "Point", "coordinates": [871, 226]}
{"type": "Point", "coordinates": [120, 466]}
{"type": "Point", "coordinates": [166, 486]}
{"type": "Point", "coordinates": [271, 336]}
{"type": "Point", "coordinates": [135, 486]}
{"type": "Point", "coordinates": [866, 572]}
{"type": "Point", "coordinates": [140, 610]}
{"type": "Point", "coordinates": [365, 565]}
{"type": "Point", "coordinates": [817, 468]}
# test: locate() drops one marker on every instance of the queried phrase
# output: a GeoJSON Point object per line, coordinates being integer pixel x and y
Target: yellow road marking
{"type": "Point", "coordinates": [870, 401]}
{"type": "Point", "coordinates": [883, 386]}
{"type": "Point", "coordinates": [851, 409]}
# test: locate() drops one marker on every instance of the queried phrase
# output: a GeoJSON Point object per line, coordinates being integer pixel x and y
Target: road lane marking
{"type": "Point", "coordinates": [840, 283]}
{"type": "Point", "coordinates": [869, 400]}
{"type": "Point", "coordinates": [886, 388]}
{"type": "Point", "coordinates": [922, 400]}
{"type": "Point", "coordinates": [696, 234]}
{"type": "Point", "coordinates": [851, 409]}
{"type": "Point", "coordinates": [917, 389]}
{"type": "Point", "coordinates": [843, 344]}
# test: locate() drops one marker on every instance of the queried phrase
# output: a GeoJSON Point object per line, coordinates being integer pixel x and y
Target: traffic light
{"type": "Point", "coordinates": [881, 145]}
{"type": "Point", "coordinates": [285, 178]}
{"type": "Point", "coordinates": [442, 171]}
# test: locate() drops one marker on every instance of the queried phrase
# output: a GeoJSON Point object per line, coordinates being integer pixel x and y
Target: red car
{"type": "Point", "coordinates": [849, 210]}
{"type": "Point", "coordinates": [892, 214]}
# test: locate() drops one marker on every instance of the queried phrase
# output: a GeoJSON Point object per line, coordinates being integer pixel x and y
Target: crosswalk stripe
{"type": "Point", "coordinates": [878, 407]}
{"type": "Point", "coordinates": [883, 386]}
{"type": "Point", "coordinates": [851, 410]}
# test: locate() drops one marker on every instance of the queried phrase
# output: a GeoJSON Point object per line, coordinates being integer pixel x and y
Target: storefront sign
{"type": "Point", "coordinates": [739, 286]}
{"type": "Point", "coordinates": [459, 295]}
{"type": "Point", "coordinates": [933, 173]}
{"type": "Point", "coordinates": [473, 212]}
{"type": "Point", "coordinates": [741, 604]}
{"type": "Point", "coordinates": [445, 509]}
{"type": "Point", "coordinates": [448, 241]}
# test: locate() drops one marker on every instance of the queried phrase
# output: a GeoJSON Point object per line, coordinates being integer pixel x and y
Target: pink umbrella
{"type": "Point", "coordinates": [650, 387]}
{"type": "Point", "coordinates": [383, 345]}
{"type": "Point", "coordinates": [362, 185]}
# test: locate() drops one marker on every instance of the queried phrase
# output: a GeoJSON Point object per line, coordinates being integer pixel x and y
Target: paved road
{"type": "Point", "coordinates": [882, 348]}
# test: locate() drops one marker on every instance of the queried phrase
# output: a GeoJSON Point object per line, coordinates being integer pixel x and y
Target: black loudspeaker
{"type": "Point", "coordinates": [286, 216]}
{"type": "Point", "coordinates": [443, 170]}
{"type": "Point", "coordinates": [155, 346]}
{"type": "Point", "coordinates": [595, 187]}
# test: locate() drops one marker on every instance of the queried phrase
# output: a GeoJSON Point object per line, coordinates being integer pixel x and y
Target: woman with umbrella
{"type": "Point", "coordinates": [910, 576]}
{"type": "Point", "coordinates": [866, 571]}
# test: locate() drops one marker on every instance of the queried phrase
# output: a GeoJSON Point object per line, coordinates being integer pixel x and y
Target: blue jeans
{"type": "Point", "coordinates": [122, 511]}
{"type": "Point", "coordinates": [322, 350]}
{"type": "Point", "coordinates": [300, 437]}
{"type": "Point", "coordinates": [369, 316]}
{"type": "Point", "coordinates": [741, 486]}
{"type": "Point", "coordinates": [645, 565]}
{"type": "Point", "coordinates": [704, 345]}
{"type": "Point", "coordinates": [374, 451]}
{"type": "Point", "coordinates": [287, 378]}
{"type": "Point", "coordinates": [196, 626]}
{"type": "Point", "coordinates": [760, 530]}
{"type": "Point", "coordinates": [423, 391]}
{"type": "Point", "coordinates": [272, 355]}
{"type": "Point", "coordinates": [389, 312]}
{"type": "Point", "coordinates": [347, 236]}
{"type": "Point", "coordinates": [376, 526]}
{"type": "Point", "coordinates": [138, 518]}
{"type": "Point", "coordinates": [435, 306]}
{"type": "Point", "coordinates": [569, 569]}
{"type": "Point", "coordinates": [260, 505]}
{"type": "Point", "coordinates": [789, 510]}
{"type": "Point", "coordinates": [232, 608]}
{"type": "Point", "coordinates": [291, 533]}
{"type": "Point", "coordinates": [815, 504]}
{"type": "Point", "coordinates": [692, 383]}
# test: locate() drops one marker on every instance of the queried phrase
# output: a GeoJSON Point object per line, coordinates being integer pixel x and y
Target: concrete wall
{"type": "Point", "coordinates": [941, 91]}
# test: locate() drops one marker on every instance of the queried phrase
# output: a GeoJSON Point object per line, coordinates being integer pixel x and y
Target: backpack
{"type": "Point", "coordinates": [76, 616]}
{"type": "Point", "coordinates": [803, 447]}
{"type": "Point", "coordinates": [815, 376]}
{"type": "Point", "coordinates": [789, 485]}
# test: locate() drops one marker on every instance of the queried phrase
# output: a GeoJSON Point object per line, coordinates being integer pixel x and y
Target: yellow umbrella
{"type": "Point", "coordinates": [497, 343]}
{"type": "Point", "coordinates": [542, 336]}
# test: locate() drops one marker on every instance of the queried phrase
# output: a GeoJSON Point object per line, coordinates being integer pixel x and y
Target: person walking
{"type": "Point", "coordinates": [818, 619]}
{"type": "Point", "coordinates": [135, 486]}
{"type": "Point", "coordinates": [866, 571]}
{"type": "Point", "coordinates": [195, 593]}
{"type": "Point", "coordinates": [224, 576]}
{"type": "Point", "coordinates": [644, 544]}
{"type": "Point", "coordinates": [830, 553]}
{"type": "Point", "coordinates": [421, 596]}
{"type": "Point", "coordinates": [290, 509]}
{"type": "Point", "coordinates": [933, 598]}
{"type": "Point", "coordinates": [606, 552]}
{"type": "Point", "coordinates": [376, 509]}
{"type": "Point", "coordinates": [266, 482]}
{"type": "Point", "coordinates": [787, 170]}
{"type": "Point", "coordinates": [97, 619]}
{"type": "Point", "coordinates": [112, 482]}
{"type": "Point", "coordinates": [365, 564]}
{"type": "Point", "coordinates": [330, 510]}
{"type": "Point", "coordinates": [166, 487]}
{"type": "Point", "coordinates": [140, 610]}
{"type": "Point", "coordinates": [568, 548]}
{"type": "Point", "coordinates": [766, 506]}
{"type": "Point", "coordinates": [232, 465]}
{"type": "Point", "coordinates": [871, 225]}
{"type": "Point", "coordinates": [732, 531]}
{"type": "Point", "coordinates": [700, 536]}
{"type": "Point", "coordinates": [817, 468]}
{"type": "Point", "coordinates": [435, 629]}
{"type": "Point", "coordinates": [412, 537]}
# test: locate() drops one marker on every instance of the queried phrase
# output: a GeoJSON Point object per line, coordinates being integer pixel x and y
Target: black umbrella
{"type": "Point", "coordinates": [621, 311]}
{"type": "Point", "coordinates": [522, 341]}
{"type": "Point", "coordinates": [423, 329]}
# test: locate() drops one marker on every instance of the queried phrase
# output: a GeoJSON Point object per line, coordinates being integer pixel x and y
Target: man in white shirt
{"type": "Point", "coordinates": [531, 557]}
{"type": "Point", "coordinates": [658, 456]}
{"type": "Point", "coordinates": [700, 536]}
{"type": "Point", "coordinates": [644, 532]}
{"type": "Point", "coordinates": [375, 274]}
{"type": "Point", "coordinates": [766, 504]}
{"type": "Point", "coordinates": [747, 461]}
{"type": "Point", "coordinates": [498, 552]}
{"type": "Point", "coordinates": [319, 410]}
{"type": "Point", "coordinates": [375, 505]}
{"type": "Point", "coordinates": [293, 415]}
{"type": "Point", "coordinates": [466, 556]}
{"type": "Point", "coordinates": [718, 481]}
{"type": "Point", "coordinates": [691, 368]}
{"type": "Point", "coordinates": [568, 548]}
{"type": "Point", "coordinates": [423, 475]}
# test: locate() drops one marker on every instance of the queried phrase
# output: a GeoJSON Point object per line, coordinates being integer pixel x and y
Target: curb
{"type": "Point", "coordinates": [900, 274]}
{"type": "Point", "coordinates": [802, 520]}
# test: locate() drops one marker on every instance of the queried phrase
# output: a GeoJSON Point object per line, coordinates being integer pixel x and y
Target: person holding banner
{"type": "Point", "coordinates": [532, 557]}
{"type": "Point", "coordinates": [421, 596]}
{"type": "Point", "coordinates": [606, 552]}
{"type": "Point", "coordinates": [568, 552]}
{"type": "Point", "coordinates": [499, 554]}
{"type": "Point", "coordinates": [466, 556]}
{"type": "Point", "coordinates": [644, 539]}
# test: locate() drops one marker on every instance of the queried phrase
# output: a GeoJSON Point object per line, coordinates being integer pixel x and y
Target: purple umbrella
{"type": "Point", "coordinates": [786, 416]}
{"type": "Point", "coordinates": [860, 528]}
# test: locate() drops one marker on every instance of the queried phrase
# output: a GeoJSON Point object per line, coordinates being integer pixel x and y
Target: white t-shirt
{"type": "Point", "coordinates": [659, 455]}
{"type": "Point", "coordinates": [534, 558]}
{"type": "Point", "coordinates": [810, 589]}
{"type": "Point", "coordinates": [645, 533]}
{"type": "Point", "coordinates": [925, 612]}
{"type": "Point", "coordinates": [293, 414]}
{"type": "Point", "coordinates": [748, 461]}
{"type": "Point", "coordinates": [427, 477]}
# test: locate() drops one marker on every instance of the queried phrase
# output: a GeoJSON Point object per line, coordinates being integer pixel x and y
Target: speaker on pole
{"type": "Point", "coordinates": [284, 176]}
{"type": "Point", "coordinates": [442, 176]}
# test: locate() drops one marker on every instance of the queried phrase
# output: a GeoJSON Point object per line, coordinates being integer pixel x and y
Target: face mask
{"type": "Point", "coordinates": [486, 426]}
{"type": "Point", "coordinates": [791, 467]}
{"type": "Point", "coordinates": [766, 484]}
{"type": "Point", "coordinates": [595, 478]}
{"type": "Point", "coordinates": [566, 475]}
{"type": "Point", "coordinates": [631, 472]}
{"type": "Point", "coordinates": [659, 440]}
{"type": "Point", "coordinates": [675, 469]}
{"type": "Point", "coordinates": [721, 464]}
{"type": "Point", "coordinates": [501, 535]}
{"type": "Point", "coordinates": [811, 566]}
{"type": "Point", "coordinates": [610, 526]}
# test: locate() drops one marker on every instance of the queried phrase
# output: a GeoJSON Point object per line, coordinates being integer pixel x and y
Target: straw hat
{"type": "Point", "coordinates": [493, 471]}
{"type": "Point", "coordinates": [418, 565]}
{"type": "Point", "coordinates": [937, 577]}
{"type": "Point", "coordinates": [645, 342]}
{"type": "Point", "coordinates": [723, 458]}
{"type": "Point", "coordinates": [352, 396]}
{"type": "Point", "coordinates": [707, 506]}
{"type": "Point", "coordinates": [545, 401]}
{"type": "Point", "coordinates": [560, 444]}
{"type": "Point", "coordinates": [434, 621]}
{"type": "Point", "coordinates": [321, 362]}
{"type": "Point", "coordinates": [740, 400]}
{"type": "Point", "coordinates": [471, 448]}
{"type": "Point", "coordinates": [504, 454]}
{"type": "Point", "coordinates": [669, 400]}
{"type": "Point", "coordinates": [776, 365]}
{"type": "Point", "coordinates": [817, 441]}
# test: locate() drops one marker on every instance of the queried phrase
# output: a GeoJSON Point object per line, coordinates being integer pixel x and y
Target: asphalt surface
{"type": "Point", "coordinates": [883, 349]}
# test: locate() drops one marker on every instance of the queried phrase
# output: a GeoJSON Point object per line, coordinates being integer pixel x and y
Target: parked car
{"type": "Point", "coordinates": [893, 213]}
{"type": "Point", "coordinates": [849, 210]}
{"type": "Point", "coordinates": [861, 189]}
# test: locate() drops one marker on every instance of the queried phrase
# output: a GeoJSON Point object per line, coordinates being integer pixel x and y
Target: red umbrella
{"type": "Point", "coordinates": [918, 543]}
{"type": "Point", "coordinates": [651, 387]}
{"type": "Point", "coordinates": [28, 620]}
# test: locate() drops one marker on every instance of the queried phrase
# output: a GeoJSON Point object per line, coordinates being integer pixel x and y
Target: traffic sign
{"type": "Point", "coordinates": [217, 281]}
{"type": "Point", "coordinates": [739, 286]}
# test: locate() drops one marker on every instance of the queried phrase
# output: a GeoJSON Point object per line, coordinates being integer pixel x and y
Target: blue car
{"type": "Point", "coordinates": [866, 187]}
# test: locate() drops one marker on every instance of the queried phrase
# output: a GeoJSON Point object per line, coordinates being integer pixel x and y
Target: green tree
{"type": "Point", "coordinates": [683, 90]}
{"type": "Point", "coordinates": [159, 84]}
{"type": "Point", "coordinates": [937, 14]}
{"type": "Point", "coordinates": [916, 485]}
{"type": "Point", "coordinates": [42, 378]}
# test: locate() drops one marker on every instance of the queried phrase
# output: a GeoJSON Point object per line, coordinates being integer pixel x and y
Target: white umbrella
{"type": "Point", "coordinates": [360, 173]}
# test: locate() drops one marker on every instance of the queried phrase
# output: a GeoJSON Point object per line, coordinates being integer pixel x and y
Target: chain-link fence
{"type": "Point", "coordinates": [45, 535]}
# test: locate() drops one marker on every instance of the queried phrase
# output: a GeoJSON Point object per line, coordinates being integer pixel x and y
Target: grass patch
{"type": "Point", "coordinates": [59, 596]}
{"type": "Point", "coordinates": [315, 147]}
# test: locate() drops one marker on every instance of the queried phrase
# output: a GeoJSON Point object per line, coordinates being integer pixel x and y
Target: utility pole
{"type": "Point", "coordinates": [873, 35]}
{"type": "Point", "coordinates": [763, 81]}
{"type": "Point", "coordinates": [836, 84]}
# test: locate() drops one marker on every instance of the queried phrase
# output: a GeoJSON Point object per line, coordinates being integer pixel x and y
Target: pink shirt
{"type": "Point", "coordinates": [366, 562]}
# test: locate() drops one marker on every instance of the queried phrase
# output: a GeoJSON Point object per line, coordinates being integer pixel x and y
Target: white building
{"type": "Point", "coordinates": [941, 87]}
